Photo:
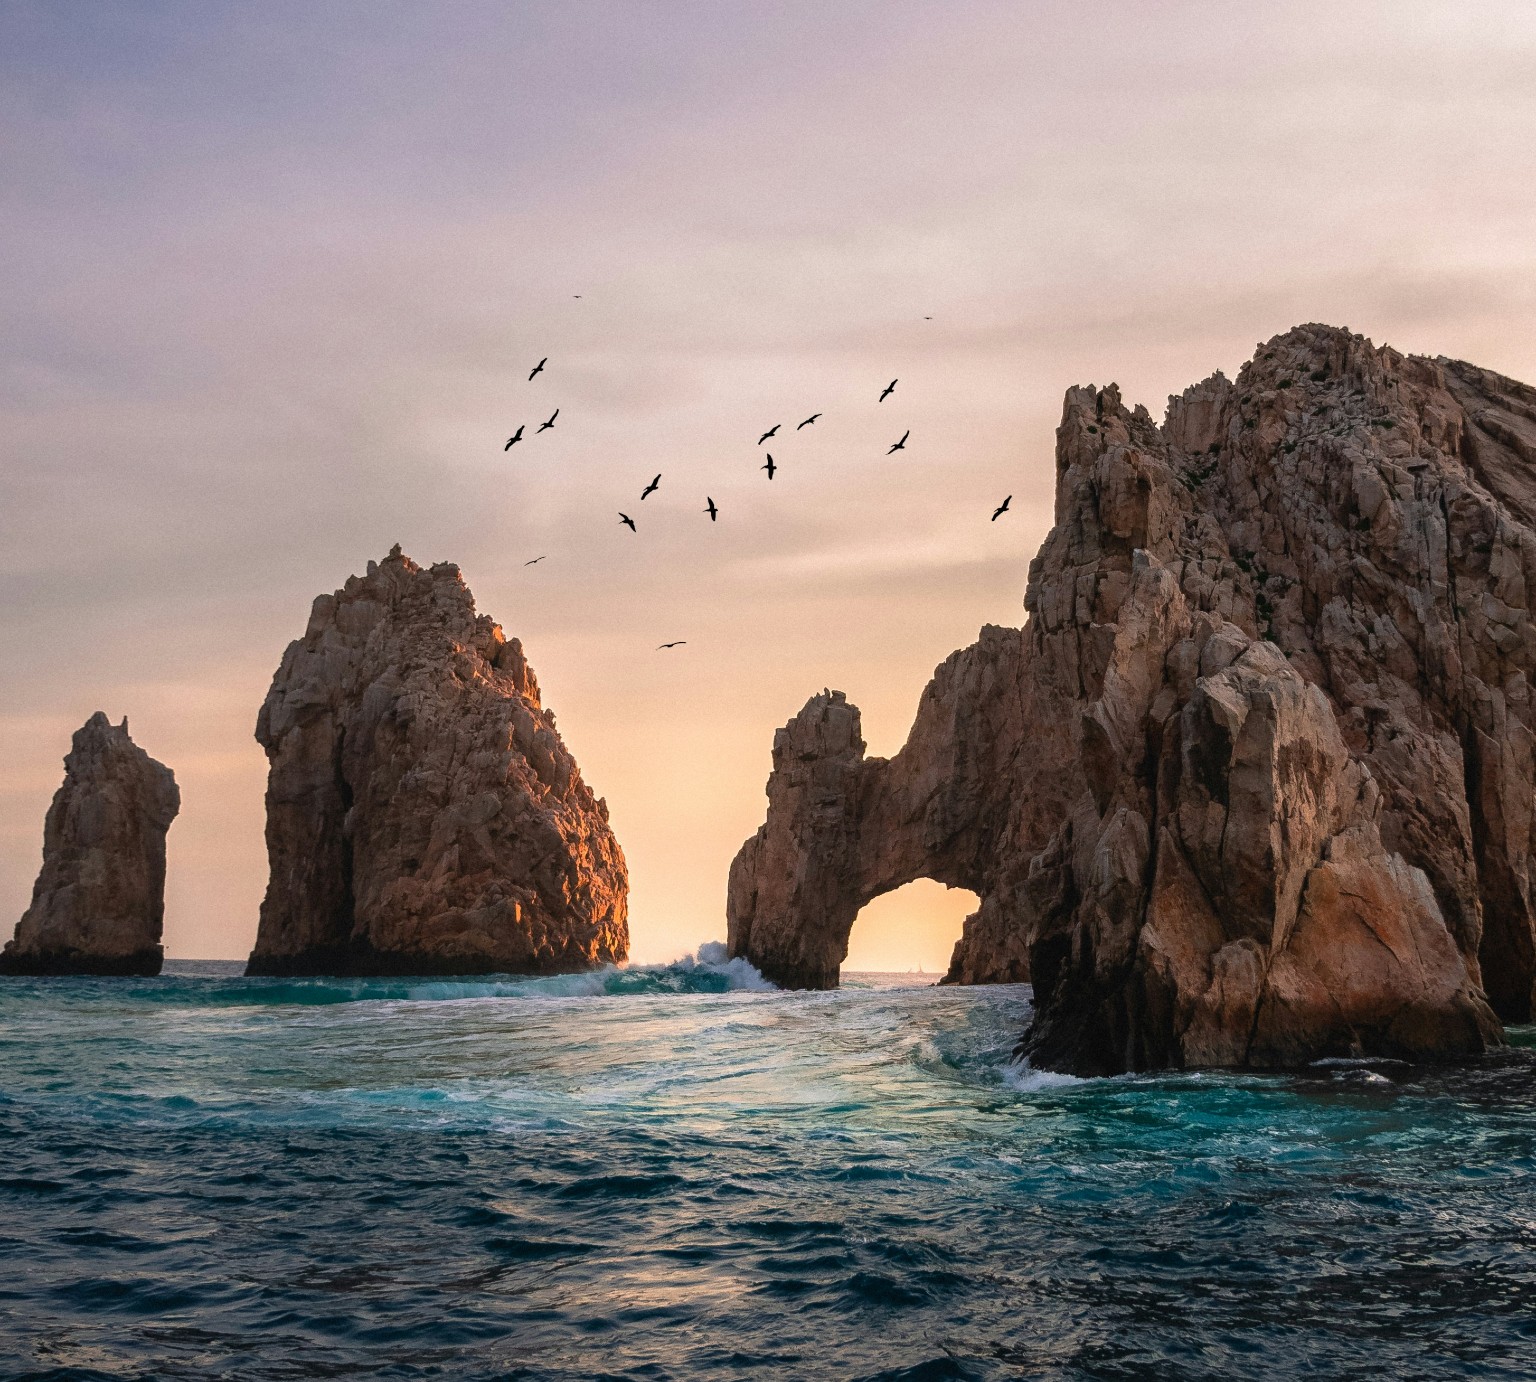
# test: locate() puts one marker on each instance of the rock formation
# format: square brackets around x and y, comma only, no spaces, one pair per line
[99,902]
[1254,784]
[423,815]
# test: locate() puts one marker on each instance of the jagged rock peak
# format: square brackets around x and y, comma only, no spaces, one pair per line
[1253,785]
[99,901]
[423,814]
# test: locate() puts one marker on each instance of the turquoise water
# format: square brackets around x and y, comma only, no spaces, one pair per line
[672,1173]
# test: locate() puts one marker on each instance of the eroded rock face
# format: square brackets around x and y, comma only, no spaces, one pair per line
[99,902]
[1261,786]
[423,815]
[843,828]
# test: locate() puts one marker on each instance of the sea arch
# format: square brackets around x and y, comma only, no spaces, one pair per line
[843,829]
[912,927]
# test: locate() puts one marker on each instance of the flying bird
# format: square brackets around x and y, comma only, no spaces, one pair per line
[538,368]
[902,444]
[889,390]
[710,508]
[807,422]
[650,488]
[770,467]
[545,426]
[625,518]
[927,319]
[1001,509]
[768,434]
[678,644]
[513,440]
[535,561]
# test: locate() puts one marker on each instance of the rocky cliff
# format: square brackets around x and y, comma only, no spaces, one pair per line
[99,902]
[423,815]
[1254,784]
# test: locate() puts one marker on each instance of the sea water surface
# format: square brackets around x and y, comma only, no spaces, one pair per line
[674,1172]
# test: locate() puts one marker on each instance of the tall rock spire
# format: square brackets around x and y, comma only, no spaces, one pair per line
[99,901]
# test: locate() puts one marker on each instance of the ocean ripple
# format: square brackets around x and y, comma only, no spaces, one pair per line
[678,1172]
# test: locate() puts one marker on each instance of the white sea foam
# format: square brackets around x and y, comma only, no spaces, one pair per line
[745,975]
[740,974]
[1023,1077]
[1355,1062]
[684,975]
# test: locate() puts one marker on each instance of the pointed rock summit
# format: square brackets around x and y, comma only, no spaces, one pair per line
[99,902]
[423,815]
[1254,784]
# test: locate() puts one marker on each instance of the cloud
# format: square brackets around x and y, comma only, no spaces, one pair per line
[283,270]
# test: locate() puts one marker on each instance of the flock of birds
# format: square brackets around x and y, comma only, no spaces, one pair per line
[710,507]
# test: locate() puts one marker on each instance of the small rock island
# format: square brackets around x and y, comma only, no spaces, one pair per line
[99,902]
[423,815]
[1256,782]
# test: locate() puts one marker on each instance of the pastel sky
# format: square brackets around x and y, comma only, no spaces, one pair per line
[275,274]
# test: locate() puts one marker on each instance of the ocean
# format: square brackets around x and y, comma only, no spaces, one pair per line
[677,1172]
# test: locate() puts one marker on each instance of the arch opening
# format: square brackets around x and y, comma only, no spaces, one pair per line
[910,929]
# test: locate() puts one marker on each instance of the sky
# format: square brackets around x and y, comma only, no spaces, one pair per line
[276,274]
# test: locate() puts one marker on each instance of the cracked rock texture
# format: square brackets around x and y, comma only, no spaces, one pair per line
[1254,784]
[99,902]
[423,815]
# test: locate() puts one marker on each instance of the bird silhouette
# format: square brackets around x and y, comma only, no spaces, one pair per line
[678,644]
[902,444]
[535,561]
[513,440]
[768,433]
[770,467]
[710,508]
[625,518]
[807,422]
[889,390]
[927,319]
[538,368]
[649,488]
[1001,509]
[545,426]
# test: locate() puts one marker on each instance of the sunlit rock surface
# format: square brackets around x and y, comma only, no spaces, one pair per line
[1254,785]
[843,828]
[99,902]
[423,815]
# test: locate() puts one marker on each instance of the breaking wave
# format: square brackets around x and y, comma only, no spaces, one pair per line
[219,983]
[1023,1078]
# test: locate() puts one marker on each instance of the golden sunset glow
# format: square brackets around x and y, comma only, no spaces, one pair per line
[213,415]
